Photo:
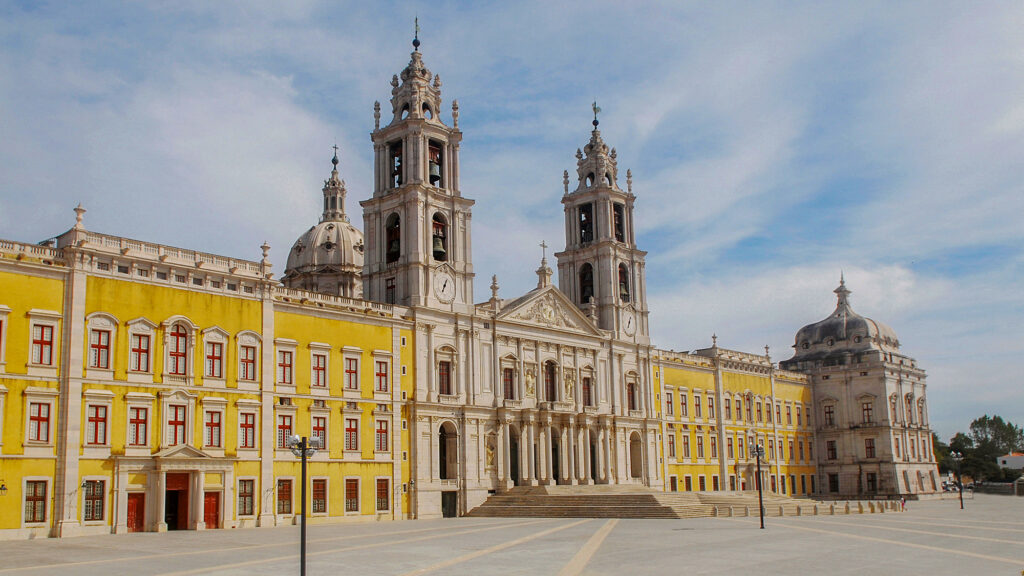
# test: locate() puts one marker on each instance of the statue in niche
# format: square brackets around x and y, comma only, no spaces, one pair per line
[531,382]
[489,445]
[570,381]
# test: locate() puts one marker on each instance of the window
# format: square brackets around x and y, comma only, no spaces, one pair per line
[700,446]
[683,408]
[759,418]
[913,448]
[586,214]
[750,417]
[782,452]
[393,235]
[800,449]
[551,387]
[830,449]
[896,445]
[247,430]
[671,445]
[586,283]
[768,412]
[351,434]
[319,496]
[893,407]
[792,453]
[778,414]
[39,422]
[381,443]
[351,495]
[175,424]
[138,422]
[631,395]
[867,410]
[789,415]
[247,363]
[701,483]
[383,495]
[670,408]
[320,431]
[440,238]
[444,378]
[920,412]
[771,448]
[352,373]
[285,365]
[742,451]
[381,377]
[728,409]
[508,376]
[92,507]
[139,361]
[799,417]
[214,360]
[624,284]
[99,349]
[96,425]
[319,370]
[284,430]
[810,451]
[246,497]
[869,447]
[833,482]
[35,501]
[177,352]
[711,407]
[696,406]
[618,221]
[42,344]
[389,290]
[714,447]
[212,429]
[829,415]
[686,446]
[728,448]
[871,481]
[739,410]
[284,496]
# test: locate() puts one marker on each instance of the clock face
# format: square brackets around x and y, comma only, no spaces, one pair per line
[444,286]
[628,320]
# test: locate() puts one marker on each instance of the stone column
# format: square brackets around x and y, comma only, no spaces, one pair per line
[530,426]
[563,456]
[543,449]
[601,460]
[572,443]
[198,519]
[435,460]
[506,453]
[161,499]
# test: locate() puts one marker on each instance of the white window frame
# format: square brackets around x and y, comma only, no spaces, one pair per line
[321,412]
[138,400]
[248,338]
[4,328]
[245,406]
[327,496]
[48,501]
[359,496]
[391,494]
[44,318]
[294,485]
[100,321]
[284,345]
[324,350]
[177,397]
[106,501]
[255,496]
[191,329]
[96,397]
[280,410]
[216,335]
[38,395]
[385,356]
[352,353]
[357,414]
[218,405]
[141,327]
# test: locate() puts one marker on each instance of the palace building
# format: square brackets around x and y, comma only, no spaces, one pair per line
[145,387]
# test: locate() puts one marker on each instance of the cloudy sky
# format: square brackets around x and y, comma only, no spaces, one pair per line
[772,146]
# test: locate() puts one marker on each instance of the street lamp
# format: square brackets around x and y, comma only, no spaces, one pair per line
[958,457]
[303,448]
[758,450]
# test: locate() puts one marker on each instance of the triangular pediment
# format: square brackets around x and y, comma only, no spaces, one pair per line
[549,308]
[181,452]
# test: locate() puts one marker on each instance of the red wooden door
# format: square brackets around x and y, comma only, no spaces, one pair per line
[136,512]
[211,510]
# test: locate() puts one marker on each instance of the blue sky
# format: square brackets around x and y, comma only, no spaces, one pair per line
[772,145]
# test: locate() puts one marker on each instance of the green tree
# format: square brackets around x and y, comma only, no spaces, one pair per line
[989,438]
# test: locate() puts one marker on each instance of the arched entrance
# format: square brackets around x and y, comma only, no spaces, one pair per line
[636,457]
[447,452]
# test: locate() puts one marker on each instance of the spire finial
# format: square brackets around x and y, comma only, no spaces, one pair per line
[335,159]
[842,293]
[494,287]
[416,38]
[543,251]
[79,212]
[597,110]
[714,340]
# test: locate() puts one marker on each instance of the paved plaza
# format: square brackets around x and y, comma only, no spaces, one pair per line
[931,538]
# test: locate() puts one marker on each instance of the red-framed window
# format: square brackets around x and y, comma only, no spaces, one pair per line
[285,365]
[800,449]
[696,406]
[319,370]
[741,445]
[140,353]
[867,412]
[631,398]
[684,408]
[352,373]
[35,501]
[96,425]
[686,445]
[214,360]
[178,354]
[211,425]
[284,496]
[284,430]
[714,447]
[750,416]
[42,344]
[381,377]
[869,447]
[711,407]
[381,437]
[247,430]
[246,497]
[550,385]
[792,453]
[739,410]
[799,417]
[728,409]
[319,495]
[92,510]
[383,494]
[700,446]
[444,377]
[99,349]
[176,424]
[672,445]
[789,415]
[351,495]
[509,382]
[39,422]
[351,434]
[138,422]
[670,405]
[760,414]
[588,391]
[320,430]
[728,448]
[247,363]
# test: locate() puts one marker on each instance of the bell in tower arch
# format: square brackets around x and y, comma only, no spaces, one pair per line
[434,164]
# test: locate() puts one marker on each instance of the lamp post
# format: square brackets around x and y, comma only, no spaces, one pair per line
[958,457]
[758,450]
[303,448]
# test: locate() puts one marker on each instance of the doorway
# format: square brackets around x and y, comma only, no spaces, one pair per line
[513,462]
[176,501]
[136,511]
[211,510]
[556,460]
[449,504]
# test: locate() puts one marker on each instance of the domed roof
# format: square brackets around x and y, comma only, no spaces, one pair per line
[843,331]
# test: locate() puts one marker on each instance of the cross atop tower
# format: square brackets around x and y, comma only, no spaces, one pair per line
[543,250]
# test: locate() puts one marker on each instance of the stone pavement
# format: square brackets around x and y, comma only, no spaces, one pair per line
[931,538]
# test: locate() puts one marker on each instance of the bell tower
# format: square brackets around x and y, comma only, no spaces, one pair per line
[601,262]
[417,224]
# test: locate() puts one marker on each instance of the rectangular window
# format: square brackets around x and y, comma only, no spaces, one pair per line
[739,410]
[284,496]
[700,446]
[829,415]
[830,449]
[99,349]
[389,288]
[810,449]
[799,417]
[351,495]
[320,431]
[771,448]
[444,378]
[319,495]
[671,445]
[381,377]
[96,425]
[750,417]
[833,482]
[869,447]
[140,353]
[246,430]
[782,452]
[177,353]
[588,391]
[508,377]
[586,223]
[247,363]
[351,434]
[214,360]
[35,501]
[728,448]
[768,412]
[42,344]
[246,497]
[383,495]
[701,483]
[867,410]
[792,453]
[39,422]
[711,407]
[800,449]
[897,448]
[789,415]
[319,370]
[618,221]
[381,444]
[778,411]
[686,446]
[284,430]
[138,422]
[92,507]
[670,408]
[175,425]
[683,409]
[714,447]
[728,409]
[696,406]
[759,418]
[351,373]
[285,364]
[212,427]
[688,483]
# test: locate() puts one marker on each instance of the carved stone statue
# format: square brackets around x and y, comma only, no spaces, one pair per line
[570,381]
[531,382]
[490,450]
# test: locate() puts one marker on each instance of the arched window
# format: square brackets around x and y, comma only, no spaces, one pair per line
[550,385]
[405,112]
[177,351]
[608,178]
[434,163]
[619,221]
[586,223]
[590,179]
[393,238]
[632,398]
[586,283]
[910,408]
[920,412]
[395,152]
[623,283]
[440,247]
[427,112]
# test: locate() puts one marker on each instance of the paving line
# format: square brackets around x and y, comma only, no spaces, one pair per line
[945,525]
[928,532]
[1015,561]
[442,534]
[582,558]
[486,551]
